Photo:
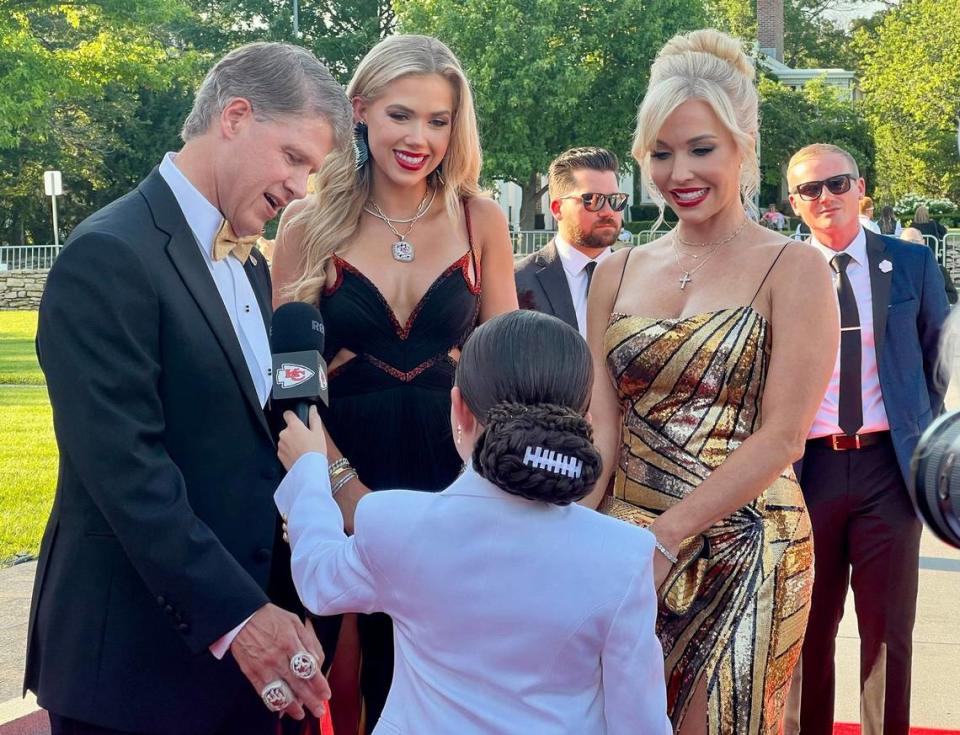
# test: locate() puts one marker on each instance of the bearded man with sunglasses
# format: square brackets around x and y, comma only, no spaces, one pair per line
[587,205]
[883,394]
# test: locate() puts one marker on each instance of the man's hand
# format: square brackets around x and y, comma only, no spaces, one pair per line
[263,649]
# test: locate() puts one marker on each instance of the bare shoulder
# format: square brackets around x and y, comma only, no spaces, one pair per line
[801,259]
[489,225]
[291,226]
[486,215]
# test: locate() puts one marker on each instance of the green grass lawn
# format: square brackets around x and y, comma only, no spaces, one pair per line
[28,469]
[18,358]
[28,452]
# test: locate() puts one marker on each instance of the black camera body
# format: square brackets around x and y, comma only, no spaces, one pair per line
[935,470]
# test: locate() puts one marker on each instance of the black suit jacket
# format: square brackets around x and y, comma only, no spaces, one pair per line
[162,533]
[542,284]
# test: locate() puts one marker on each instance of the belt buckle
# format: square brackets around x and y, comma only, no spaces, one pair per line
[834,439]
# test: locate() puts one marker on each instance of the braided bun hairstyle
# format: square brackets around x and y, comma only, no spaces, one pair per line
[710,66]
[527,377]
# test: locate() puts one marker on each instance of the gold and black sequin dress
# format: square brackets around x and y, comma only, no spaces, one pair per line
[735,607]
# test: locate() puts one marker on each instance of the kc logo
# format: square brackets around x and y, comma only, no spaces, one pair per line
[291,374]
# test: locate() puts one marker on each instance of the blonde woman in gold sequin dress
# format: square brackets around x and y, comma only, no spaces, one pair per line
[719,340]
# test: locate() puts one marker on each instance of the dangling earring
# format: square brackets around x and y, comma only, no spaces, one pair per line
[438,173]
[459,434]
[361,146]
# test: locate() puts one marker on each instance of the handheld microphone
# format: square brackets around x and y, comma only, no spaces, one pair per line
[299,370]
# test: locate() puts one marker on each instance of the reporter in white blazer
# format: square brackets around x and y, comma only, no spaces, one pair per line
[515,609]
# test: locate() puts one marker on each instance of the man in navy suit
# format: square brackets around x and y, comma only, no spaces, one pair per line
[883,394]
[587,205]
[158,600]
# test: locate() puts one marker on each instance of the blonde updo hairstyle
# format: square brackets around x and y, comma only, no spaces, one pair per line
[332,212]
[711,66]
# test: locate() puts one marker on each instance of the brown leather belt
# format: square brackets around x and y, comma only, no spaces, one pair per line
[842,442]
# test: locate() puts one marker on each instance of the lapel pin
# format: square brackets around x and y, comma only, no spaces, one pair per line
[885,266]
[254,261]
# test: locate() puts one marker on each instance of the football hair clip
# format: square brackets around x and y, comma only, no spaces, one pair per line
[551,461]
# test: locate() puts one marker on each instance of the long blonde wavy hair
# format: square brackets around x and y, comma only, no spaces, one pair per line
[332,213]
[711,66]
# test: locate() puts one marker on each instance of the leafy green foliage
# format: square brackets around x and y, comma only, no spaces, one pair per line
[550,74]
[818,113]
[911,82]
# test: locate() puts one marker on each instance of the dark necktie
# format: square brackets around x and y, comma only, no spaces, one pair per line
[590,268]
[851,396]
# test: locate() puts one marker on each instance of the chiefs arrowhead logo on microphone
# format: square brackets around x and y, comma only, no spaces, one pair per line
[291,374]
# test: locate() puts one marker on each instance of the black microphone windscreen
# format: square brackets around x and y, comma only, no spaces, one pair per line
[296,327]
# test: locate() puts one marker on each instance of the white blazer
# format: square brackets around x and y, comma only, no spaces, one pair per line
[510,615]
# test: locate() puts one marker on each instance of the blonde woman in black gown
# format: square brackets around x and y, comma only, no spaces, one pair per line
[719,340]
[404,256]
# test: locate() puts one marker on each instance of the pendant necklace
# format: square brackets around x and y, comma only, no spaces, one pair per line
[403,250]
[687,275]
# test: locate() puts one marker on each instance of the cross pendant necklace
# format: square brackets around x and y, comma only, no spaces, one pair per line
[684,280]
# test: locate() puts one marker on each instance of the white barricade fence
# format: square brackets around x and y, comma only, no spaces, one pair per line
[950,254]
[27,257]
[529,241]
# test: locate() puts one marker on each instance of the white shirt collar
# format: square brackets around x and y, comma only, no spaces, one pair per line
[573,260]
[204,219]
[857,249]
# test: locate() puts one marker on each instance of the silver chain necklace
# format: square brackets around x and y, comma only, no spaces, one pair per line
[403,250]
[687,275]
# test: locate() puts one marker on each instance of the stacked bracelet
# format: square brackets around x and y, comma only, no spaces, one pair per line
[337,466]
[663,550]
[341,472]
[342,480]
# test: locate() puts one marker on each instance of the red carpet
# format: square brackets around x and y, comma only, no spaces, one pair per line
[842,728]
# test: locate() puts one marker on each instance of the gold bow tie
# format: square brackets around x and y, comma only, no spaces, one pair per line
[227,242]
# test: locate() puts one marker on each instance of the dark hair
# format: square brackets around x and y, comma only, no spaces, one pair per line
[887,221]
[527,377]
[560,173]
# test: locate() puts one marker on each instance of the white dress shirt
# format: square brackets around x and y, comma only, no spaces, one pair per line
[869,224]
[874,414]
[574,268]
[228,274]
[238,298]
[509,615]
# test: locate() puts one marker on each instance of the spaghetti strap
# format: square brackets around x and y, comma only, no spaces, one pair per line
[769,270]
[622,273]
[473,254]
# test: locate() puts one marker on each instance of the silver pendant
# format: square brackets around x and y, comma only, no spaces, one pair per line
[684,280]
[403,251]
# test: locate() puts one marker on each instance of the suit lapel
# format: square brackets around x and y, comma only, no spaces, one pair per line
[260,288]
[553,281]
[185,254]
[879,288]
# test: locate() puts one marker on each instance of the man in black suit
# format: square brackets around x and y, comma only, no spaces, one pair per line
[587,206]
[883,394]
[153,608]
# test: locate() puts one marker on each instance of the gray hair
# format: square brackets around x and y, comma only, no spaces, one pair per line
[277,79]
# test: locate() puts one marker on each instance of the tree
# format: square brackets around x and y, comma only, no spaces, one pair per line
[339,32]
[811,38]
[911,85]
[70,86]
[550,74]
[817,113]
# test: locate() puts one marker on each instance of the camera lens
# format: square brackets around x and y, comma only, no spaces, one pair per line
[936,478]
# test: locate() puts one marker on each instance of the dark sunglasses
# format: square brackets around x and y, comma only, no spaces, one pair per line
[593,202]
[811,190]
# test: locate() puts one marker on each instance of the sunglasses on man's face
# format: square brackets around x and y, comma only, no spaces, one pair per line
[811,190]
[593,202]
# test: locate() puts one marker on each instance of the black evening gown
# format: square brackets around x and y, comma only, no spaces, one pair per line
[389,411]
